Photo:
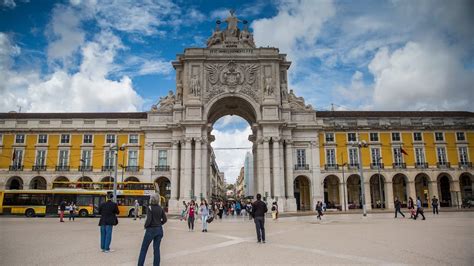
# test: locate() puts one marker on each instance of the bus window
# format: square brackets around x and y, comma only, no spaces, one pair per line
[37,199]
[9,199]
[84,200]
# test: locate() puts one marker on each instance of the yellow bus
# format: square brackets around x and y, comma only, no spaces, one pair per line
[46,202]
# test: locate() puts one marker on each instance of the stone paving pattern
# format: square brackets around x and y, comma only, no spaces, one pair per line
[337,239]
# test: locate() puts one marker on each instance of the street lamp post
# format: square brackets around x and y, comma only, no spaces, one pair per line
[380,183]
[123,160]
[115,148]
[344,186]
[360,145]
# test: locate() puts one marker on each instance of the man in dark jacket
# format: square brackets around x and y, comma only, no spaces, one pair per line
[259,208]
[398,206]
[108,218]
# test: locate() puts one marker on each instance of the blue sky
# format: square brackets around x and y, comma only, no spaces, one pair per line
[116,55]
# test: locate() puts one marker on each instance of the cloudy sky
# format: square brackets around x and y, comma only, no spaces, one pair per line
[115,55]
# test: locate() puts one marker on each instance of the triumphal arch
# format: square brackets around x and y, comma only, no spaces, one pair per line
[231,76]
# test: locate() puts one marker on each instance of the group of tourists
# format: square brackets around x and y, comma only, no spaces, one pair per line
[70,207]
[417,209]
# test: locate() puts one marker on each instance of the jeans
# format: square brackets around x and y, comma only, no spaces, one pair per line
[154,234]
[419,211]
[204,222]
[191,223]
[435,209]
[71,216]
[397,210]
[61,216]
[260,227]
[105,236]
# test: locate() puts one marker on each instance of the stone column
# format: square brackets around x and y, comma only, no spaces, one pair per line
[266,168]
[205,170]
[290,201]
[411,191]
[389,195]
[182,183]
[316,174]
[186,179]
[148,163]
[455,194]
[368,197]
[433,189]
[174,170]
[258,168]
[341,196]
[278,182]
[198,169]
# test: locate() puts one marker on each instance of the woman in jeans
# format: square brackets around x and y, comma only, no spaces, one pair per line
[204,210]
[190,213]
[155,218]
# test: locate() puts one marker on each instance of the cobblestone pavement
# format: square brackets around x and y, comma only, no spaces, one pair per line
[337,239]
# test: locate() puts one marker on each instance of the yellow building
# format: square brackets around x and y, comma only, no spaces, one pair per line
[407,154]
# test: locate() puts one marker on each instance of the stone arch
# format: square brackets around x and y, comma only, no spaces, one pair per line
[84,179]
[301,188]
[38,182]
[231,104]
[331,192]
[400,188]
[354,192]
[132,179]
[14,182]
[377,191]
[422,181]
[445,187]
[107,179]
[465,185]
[164,185]
[61,179]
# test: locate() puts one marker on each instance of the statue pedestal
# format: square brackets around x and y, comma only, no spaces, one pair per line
[291,205]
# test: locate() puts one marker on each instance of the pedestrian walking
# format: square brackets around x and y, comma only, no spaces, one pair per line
[411,208]
[191,212]
[259,208]
[108,219]
[155,219]
[434,203]
[419,209]
[204,210]
[136,210]
[274,210]
[221,210]
[398,206]
[72,211]
[319,210]
[183,212]
[62,209]
[249,209]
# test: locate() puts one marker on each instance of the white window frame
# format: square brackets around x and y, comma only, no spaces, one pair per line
[301,157]
[159,157]
[129,157]
[374,162]
[23,139]
[397,155]
[377,134]
[333,137]
[84,138]
[130,138]
[39,137]
[350,141]
[438,148]
[421,134]
[86,163]
[68,139]
[60,162]
[442,134]
[463,133]
[422,154]
[334,163]
[107,139]
[44,159]
[18,159]
[399,136]
[355,154]
[459,154]
[105,158]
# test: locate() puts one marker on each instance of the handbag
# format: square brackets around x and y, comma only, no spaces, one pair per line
[210,219]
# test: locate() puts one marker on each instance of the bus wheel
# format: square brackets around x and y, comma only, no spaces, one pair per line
[83,213]
[30,213]
[131,213]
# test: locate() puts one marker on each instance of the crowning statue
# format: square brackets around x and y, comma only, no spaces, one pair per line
[232,36]
[165,103]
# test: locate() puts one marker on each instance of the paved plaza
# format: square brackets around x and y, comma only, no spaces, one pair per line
[337,239]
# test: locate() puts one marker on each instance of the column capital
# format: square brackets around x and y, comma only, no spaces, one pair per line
[276,139]
[175,142]
[266,139]
[288,141]
[187,139]
[198,140]
[313,143]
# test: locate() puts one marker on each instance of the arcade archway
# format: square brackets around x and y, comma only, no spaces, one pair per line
[14,182]
[422,189]
[38,183]
[377,191]
[465,184]
[164,186]
[354,192]
[444,189]
[399,184]
[302,193]
[331,192]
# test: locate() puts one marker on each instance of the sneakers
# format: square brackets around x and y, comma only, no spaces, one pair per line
[109,251]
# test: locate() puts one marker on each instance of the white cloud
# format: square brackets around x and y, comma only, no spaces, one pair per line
[87,90]
[356,92]
[8,3]
[295,28]
[421,76]
[231,160]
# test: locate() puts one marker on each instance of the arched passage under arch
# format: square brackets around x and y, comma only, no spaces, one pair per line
[38,182]
[354,192]
[444,190]
[14,183]
[301,188]
[164,185]
[399,184]
[422,188]
[331,192]
[377,191]
[108,182]
[465,185]
[132,179]
[61,182]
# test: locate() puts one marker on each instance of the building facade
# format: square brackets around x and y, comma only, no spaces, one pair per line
[300,156]
[248,175]
[240,184]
